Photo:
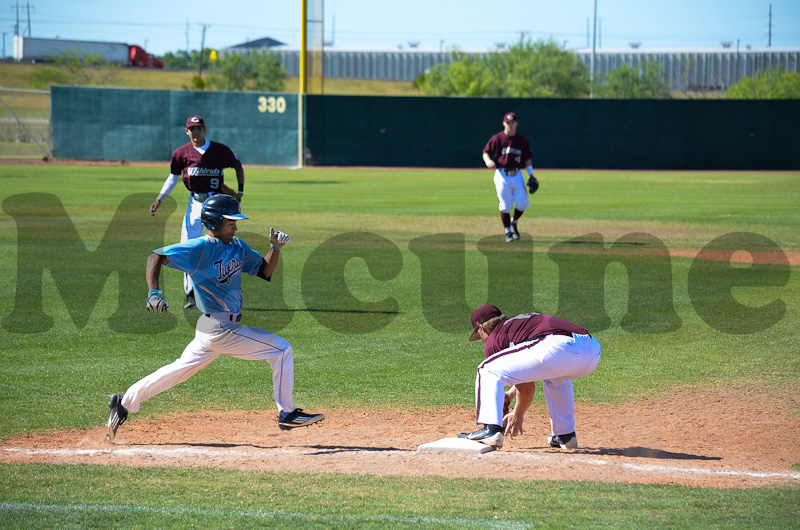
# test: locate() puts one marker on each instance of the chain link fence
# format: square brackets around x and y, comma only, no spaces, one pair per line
[25,126]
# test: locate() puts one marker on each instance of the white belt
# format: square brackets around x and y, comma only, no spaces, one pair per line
[201,197]
[224,316]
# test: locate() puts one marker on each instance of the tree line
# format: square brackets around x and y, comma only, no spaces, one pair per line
[540,69]
[543,69]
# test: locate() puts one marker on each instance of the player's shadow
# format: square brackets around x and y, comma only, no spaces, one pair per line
[204,444]
[306,182]
[644,452]
[332,449]
[313,310]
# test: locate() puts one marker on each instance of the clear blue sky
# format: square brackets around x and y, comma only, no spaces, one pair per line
[170,25]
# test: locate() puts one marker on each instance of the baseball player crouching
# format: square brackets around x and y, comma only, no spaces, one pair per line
[519,351]
[215,263]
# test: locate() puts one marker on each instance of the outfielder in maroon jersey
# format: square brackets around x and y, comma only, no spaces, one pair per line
[203,173]
[508,152]
[519,351]
[200,163]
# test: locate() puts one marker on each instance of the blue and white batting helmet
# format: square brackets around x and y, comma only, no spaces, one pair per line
[219,207]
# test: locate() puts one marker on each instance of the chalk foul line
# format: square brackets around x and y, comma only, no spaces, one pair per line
[259,454]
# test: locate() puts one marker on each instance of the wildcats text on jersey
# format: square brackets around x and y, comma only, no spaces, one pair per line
[203,172]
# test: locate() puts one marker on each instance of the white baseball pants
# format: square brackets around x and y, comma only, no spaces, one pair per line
[554,360]
[192,228]
[213,338]
[511,191]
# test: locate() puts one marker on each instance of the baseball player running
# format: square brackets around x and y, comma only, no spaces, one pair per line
[519,351]
[201,163]
[215,263]
[507,152]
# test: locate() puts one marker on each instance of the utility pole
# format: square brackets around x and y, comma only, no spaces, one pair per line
[769,42]
[28,5]
[588,33]
[16,26]
[202,45]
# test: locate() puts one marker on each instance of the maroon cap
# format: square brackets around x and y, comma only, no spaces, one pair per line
[510,117]
[482,315]
[194,121]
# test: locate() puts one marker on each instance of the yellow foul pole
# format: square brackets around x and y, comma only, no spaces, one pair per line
[302,90]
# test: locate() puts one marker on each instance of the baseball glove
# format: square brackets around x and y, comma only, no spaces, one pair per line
[506,410]
[533,184]
[227,190]
[155,303]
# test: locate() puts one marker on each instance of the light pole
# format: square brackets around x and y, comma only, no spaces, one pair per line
[736,75]
[594,51]
[301,151]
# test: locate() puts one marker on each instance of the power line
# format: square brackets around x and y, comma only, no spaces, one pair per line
[67,21]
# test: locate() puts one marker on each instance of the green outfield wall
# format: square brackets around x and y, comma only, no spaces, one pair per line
[564,133]
[147,125]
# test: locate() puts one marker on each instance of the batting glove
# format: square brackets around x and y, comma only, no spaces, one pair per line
[277,238]
[155,303]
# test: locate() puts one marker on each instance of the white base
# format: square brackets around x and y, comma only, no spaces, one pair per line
[455,445]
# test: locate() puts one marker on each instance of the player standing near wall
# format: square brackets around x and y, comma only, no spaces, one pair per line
[508,152]
[216,262]
[201,163]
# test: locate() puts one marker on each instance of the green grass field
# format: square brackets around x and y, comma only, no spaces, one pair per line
[400,343]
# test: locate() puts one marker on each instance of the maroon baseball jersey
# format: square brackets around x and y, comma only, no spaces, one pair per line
[203,173]
[509,151]
[524,327]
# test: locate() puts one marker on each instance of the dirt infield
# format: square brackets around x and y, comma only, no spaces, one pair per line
[725,439]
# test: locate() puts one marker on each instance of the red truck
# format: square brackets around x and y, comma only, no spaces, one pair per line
[35,50]
[142,59]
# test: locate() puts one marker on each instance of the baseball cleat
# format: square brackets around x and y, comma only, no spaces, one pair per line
[509,237]
[491,435]
[190,303]
[564,441]
[116,417]
[298,418]
[514,231]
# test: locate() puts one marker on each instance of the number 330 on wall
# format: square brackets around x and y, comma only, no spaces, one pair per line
[272,104]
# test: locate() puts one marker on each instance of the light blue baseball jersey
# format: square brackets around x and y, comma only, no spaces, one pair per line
[216,270]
